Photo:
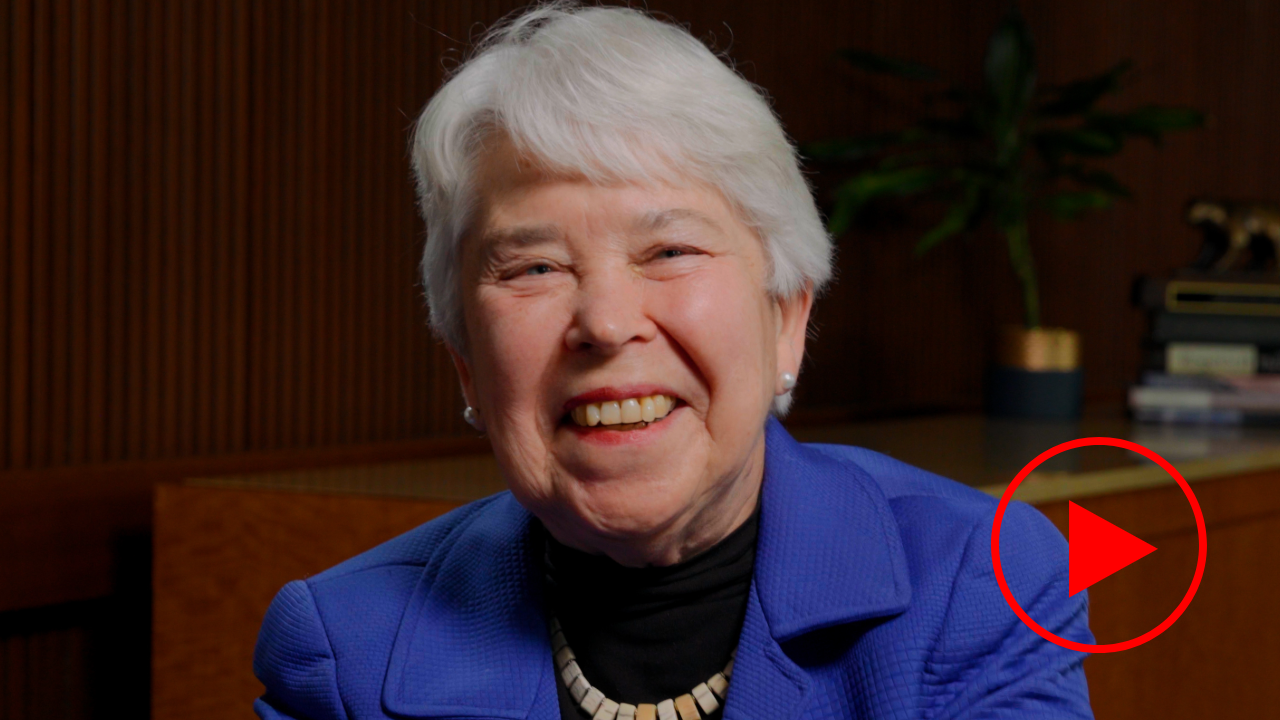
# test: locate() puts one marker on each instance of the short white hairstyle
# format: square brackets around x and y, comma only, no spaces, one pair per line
[614,95]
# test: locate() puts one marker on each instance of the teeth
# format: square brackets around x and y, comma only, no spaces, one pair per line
[630,410]
[610,413]
[619,412]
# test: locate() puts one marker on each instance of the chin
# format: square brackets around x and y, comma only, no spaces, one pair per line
[632,508]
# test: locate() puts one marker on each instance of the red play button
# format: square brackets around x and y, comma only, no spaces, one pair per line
[1098,548]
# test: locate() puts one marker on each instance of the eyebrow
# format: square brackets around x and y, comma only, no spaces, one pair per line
[498,239]
[657,220]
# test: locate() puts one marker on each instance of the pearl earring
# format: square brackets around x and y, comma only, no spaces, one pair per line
[472,417]
[788,381]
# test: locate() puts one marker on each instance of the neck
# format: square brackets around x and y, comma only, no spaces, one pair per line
[685,536]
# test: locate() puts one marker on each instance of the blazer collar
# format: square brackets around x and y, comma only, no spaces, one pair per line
[828,553]
[829,550]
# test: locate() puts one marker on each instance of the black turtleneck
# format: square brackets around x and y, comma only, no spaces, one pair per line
[643,635]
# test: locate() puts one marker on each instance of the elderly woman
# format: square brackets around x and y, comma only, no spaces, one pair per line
[622,254]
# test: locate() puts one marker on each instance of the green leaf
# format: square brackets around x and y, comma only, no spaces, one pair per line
[884,65]
[1165,119]
[1010,67]
[1054,144]
[864,187]
[960,216]
[1071,205]
[1151,121]
[1079,96]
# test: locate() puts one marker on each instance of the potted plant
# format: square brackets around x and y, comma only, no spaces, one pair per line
[995,154]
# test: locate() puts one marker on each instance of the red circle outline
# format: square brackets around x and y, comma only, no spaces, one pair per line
[1071,644]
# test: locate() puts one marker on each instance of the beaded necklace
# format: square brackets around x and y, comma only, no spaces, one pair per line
[707,695]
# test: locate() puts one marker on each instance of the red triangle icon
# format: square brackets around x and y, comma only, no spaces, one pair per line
[1098,549]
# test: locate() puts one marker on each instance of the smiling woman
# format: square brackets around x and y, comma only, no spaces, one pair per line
[622,256]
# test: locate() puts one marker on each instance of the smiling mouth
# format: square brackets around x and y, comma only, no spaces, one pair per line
[629,414]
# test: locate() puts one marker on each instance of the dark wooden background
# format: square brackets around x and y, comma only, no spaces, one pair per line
[208,242]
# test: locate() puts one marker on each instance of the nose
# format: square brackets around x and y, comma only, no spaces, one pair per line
[609,313]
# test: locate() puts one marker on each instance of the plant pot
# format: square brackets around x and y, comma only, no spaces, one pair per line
[1037,375]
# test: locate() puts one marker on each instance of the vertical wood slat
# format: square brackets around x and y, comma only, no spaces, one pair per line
[39,326]
[6,179]
[19,235]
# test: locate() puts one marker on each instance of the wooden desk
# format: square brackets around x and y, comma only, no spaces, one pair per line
[224,546]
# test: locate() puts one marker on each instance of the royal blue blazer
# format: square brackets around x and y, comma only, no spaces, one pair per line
[872,597]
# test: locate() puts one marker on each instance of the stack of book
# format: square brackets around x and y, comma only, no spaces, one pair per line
[1212,355]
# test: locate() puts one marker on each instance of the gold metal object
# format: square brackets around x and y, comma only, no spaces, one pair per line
[1041,348]
[1222,297]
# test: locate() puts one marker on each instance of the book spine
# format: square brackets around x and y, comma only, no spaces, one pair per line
[1210,359]
[1167,327]
[1183,416]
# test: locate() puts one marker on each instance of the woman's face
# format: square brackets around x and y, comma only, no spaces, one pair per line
[591,307]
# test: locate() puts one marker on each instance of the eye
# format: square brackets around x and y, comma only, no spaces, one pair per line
[539,269]
[674,251]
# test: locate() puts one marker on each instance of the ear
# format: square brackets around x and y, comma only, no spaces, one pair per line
[464,375]
[793,322]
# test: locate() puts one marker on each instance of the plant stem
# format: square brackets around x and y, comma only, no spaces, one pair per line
[1025,268]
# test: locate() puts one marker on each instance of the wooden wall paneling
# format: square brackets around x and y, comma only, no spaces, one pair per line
[6,179]
[19,235]
[94,30]
[293,13]
[39,326]
[59,256]
[42,673]
[258,293]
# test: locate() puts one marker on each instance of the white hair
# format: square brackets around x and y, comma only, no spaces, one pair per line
[614,95]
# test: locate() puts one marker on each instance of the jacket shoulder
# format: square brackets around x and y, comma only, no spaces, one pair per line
[350,610]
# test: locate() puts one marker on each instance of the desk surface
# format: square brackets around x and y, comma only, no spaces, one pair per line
[980,452]
[987,453]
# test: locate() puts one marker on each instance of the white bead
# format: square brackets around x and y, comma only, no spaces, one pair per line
[788,381]
[667,710]
[728,670]
[626,711]
[592,700]
[554,626]
[718,685]
[558,642]
[579,688]
[565,656]
[705,699]
[570,673]
[608,710]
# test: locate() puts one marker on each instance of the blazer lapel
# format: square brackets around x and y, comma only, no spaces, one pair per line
[473,641]
[829,553]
